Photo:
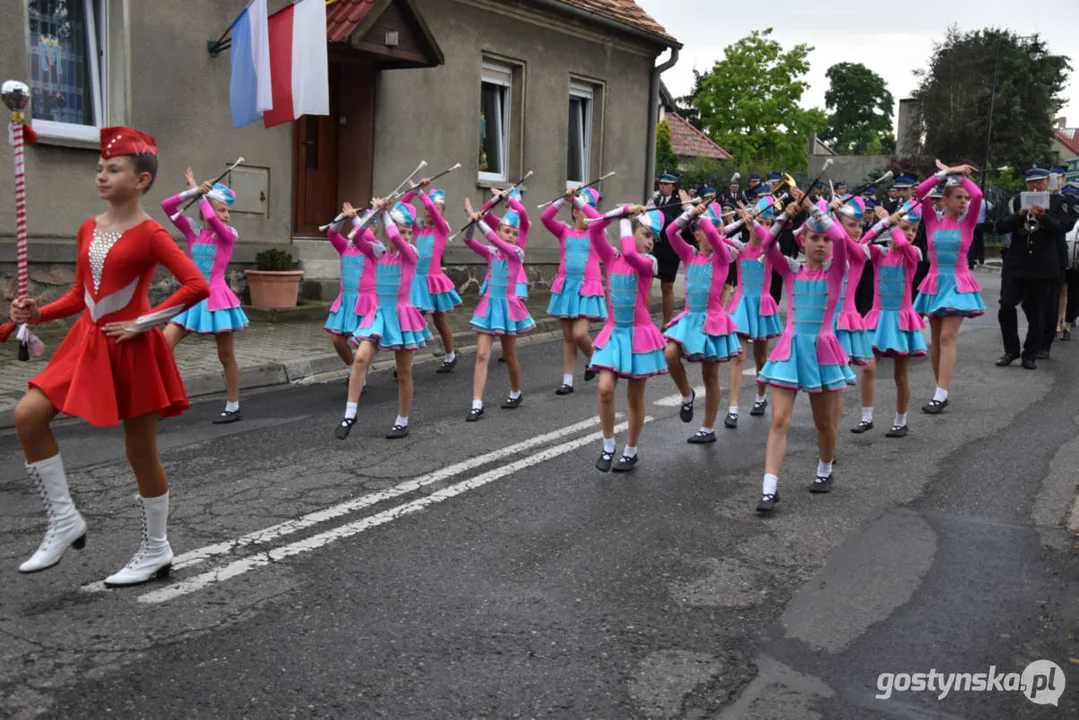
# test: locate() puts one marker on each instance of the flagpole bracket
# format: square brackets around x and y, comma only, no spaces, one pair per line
[215,47]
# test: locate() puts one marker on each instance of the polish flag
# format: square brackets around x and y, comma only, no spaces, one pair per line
[299,66]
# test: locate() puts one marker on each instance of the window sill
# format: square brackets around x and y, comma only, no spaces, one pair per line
[488,184]
[49,134]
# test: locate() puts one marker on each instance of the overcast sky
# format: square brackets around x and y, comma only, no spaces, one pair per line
[892,45]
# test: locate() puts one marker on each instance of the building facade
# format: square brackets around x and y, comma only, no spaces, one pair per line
[563,88]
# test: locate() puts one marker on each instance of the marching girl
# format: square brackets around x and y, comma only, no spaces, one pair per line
[895,328]
[500,312]
[703,332]
[432,290]
[949,292]
[358,297]
[630,345]
[808,356]
[395,324]
[849,324]
[521,284]
[220,315]
[114,365]
[577,297]
[752,308]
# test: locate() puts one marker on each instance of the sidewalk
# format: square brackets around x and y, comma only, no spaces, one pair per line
[267,353]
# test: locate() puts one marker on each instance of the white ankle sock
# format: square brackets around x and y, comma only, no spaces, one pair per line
[824,469]
[771,484]
[477,404]
[450,357]
[867,414]
[608,445]
[705,429]
[232,406]
[629,451]
[901,419]
[402,421]
[940,395]
[733,409]
[514,394]
[687,399]
[350,410]
[567,379]
[759,399]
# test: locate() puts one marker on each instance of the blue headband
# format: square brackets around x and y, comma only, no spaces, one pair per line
[403,214]
[222,193]
[511,218]
[438,196]
[765,208]
[651,220]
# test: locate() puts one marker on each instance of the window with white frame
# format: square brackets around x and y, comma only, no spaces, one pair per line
[579,145]
[68,67]
[496,95]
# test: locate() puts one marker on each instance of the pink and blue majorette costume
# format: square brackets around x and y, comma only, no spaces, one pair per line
[500,311]
[629,345]
[432,290]
[358,297]
[521,284]
[950,287]
[849,324]
[395,324]
[752,307]
[210,247]
[808,355]
[895,328]
[578,288]
[703,331]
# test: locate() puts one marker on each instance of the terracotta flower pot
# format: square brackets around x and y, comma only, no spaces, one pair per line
[274,289]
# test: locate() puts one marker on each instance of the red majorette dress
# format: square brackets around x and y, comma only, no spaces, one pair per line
[93,377]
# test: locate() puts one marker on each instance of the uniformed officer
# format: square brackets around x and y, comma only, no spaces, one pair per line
[668,202]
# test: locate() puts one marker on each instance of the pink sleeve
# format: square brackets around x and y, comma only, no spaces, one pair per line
[442,229]
[875,253]
[365,241]
[554,226]
[777,259]
[720,253]
[224,233]
[597,233]
[641,263]
[407,252]
[407,197]
[506,248]
[839,249]
[974,207]
[522,236]
[927,202]
[170,206]
[674,236]
[339,241]
[911,254]
[477,247]
[768,236]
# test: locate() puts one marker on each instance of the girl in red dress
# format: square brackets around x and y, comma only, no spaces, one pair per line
[114,365]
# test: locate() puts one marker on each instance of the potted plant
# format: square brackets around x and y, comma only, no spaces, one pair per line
[273,282]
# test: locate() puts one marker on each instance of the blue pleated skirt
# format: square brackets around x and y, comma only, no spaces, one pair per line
[699,346]
[617,356]
[570,304]
[419,296]
[802,371]
[947,300]
[385,329]
[445,301]
[747,317]
[199,319]
[344,320]
[857,345]
[497,321]
[890,340]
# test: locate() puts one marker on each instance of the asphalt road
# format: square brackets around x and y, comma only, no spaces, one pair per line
[488,570]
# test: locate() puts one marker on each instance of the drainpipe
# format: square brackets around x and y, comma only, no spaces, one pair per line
[653,108]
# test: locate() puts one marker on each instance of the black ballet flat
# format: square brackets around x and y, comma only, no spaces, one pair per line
[702,438]
[512,403]
[564,390]
[759,408]
[768,502]
[397,432]
[686,413]
[344,428]
[474,414]
[897,431]
[605,461]
[821,484]
[731,421]
[862,427]
[590,373]
[228,417]
[625,464]
[935,407]
[447,366]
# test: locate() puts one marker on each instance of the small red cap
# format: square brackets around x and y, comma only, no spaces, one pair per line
[116,141]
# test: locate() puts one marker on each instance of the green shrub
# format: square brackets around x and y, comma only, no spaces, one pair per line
[273,260]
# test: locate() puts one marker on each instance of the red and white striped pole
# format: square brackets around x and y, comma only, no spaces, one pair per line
[16,96]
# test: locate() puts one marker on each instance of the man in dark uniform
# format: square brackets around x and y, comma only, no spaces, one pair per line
[668,202]
[787,245]
[1056,288]
[734,194]
[754,183]
[1030,269]
[1071,274]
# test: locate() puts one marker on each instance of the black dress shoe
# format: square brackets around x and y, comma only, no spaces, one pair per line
[701,437]
[564,390]
[759,408]
[768,502]
[228,417]
[590,373]
[686,413]
[731,421]
[474,414]
[1006,359]
[935,407]
[605,461]
[1065,334]
[397,432]
[501,359]
[862,427]
[1029,364]
[1041,355]
[821,484]
[897,431]
[447,366]
[625,464]
[512,403]
[344,428]
[395,373]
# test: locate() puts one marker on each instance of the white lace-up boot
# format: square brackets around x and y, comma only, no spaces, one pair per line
[153,559]
[66,526]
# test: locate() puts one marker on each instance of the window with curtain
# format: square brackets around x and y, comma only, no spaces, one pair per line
[579,143]
[495,105]
[67,50]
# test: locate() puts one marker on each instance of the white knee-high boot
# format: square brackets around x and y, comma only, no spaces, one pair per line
[66,526]
[153,559]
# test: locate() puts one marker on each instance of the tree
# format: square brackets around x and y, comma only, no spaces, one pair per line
[861,119]
[685,103]
[955,95]
[749,102]
[665,157]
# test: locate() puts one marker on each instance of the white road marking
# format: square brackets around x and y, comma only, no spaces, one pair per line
[239,567]
[200,555]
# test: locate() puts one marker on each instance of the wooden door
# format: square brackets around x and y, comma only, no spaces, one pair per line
[314,166]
